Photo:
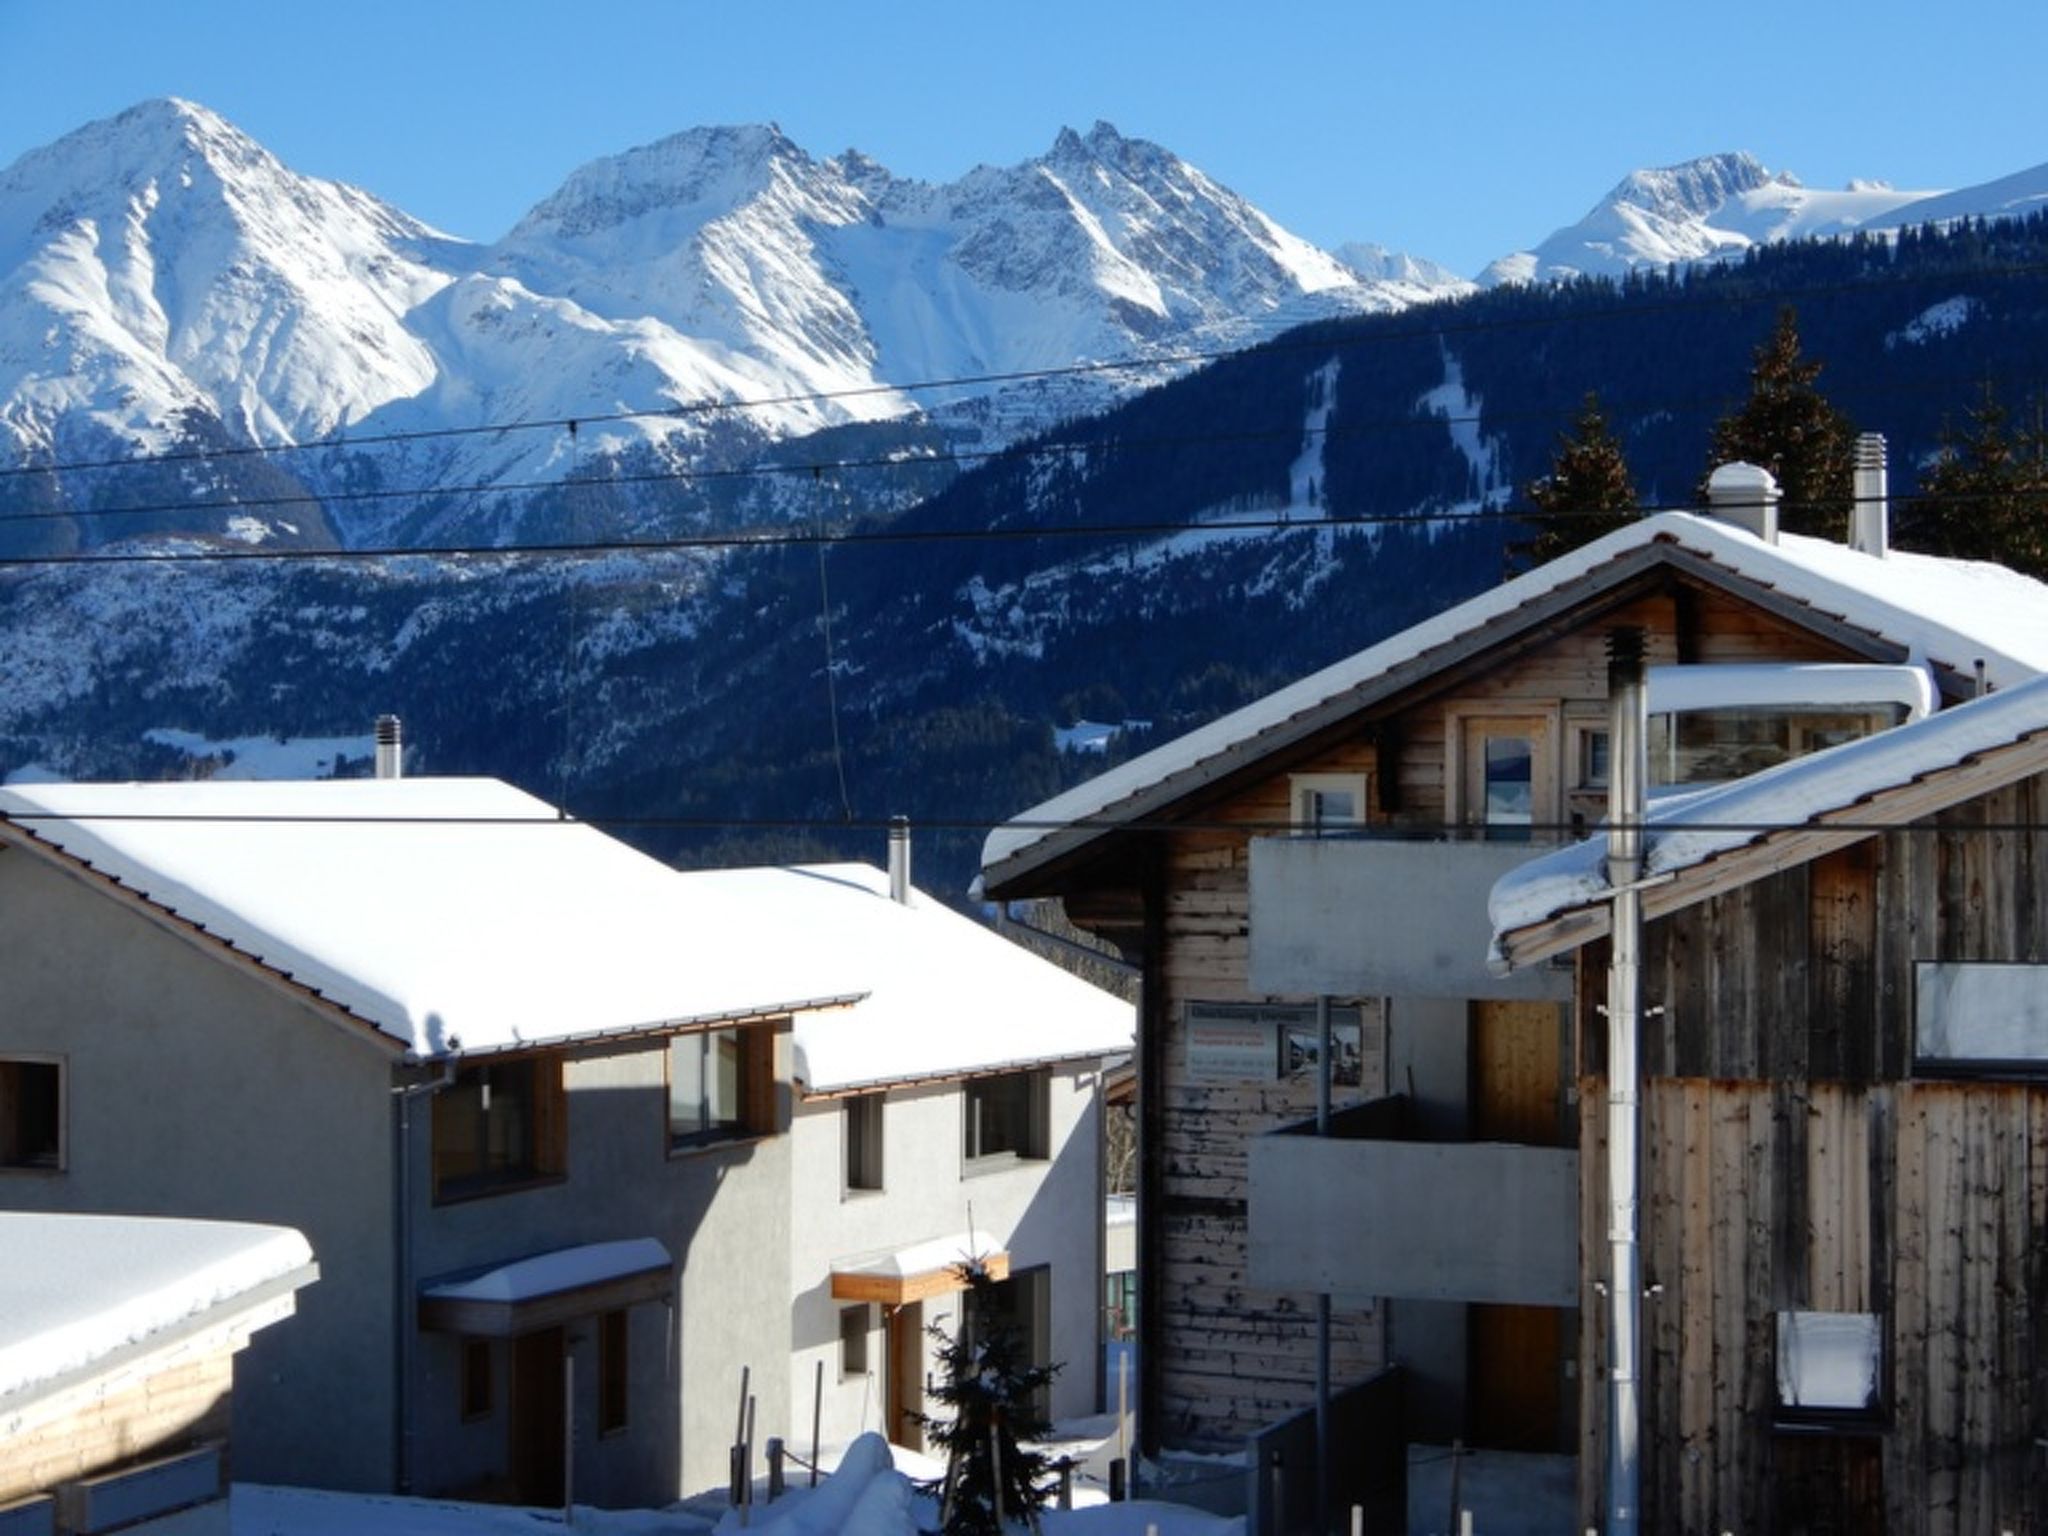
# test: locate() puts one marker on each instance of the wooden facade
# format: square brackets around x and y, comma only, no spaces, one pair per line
[1219,1358]
[1795,1158]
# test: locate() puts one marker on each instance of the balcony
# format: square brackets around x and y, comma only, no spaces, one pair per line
[1377,917]
[1368,1211]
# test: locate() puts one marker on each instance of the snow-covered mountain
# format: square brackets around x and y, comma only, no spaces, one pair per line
[163,278]
[1717,207]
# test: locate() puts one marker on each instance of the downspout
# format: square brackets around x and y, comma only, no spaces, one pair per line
[1322,1297]
[404,1307]
[1626,807]
[1008,923]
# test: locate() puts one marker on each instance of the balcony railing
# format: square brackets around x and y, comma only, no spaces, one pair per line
[1383,917]
[1365,1211]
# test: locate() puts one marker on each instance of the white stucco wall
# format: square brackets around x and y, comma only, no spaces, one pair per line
[1042,1213]
[192,1089]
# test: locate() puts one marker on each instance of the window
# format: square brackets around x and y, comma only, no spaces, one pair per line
[853,1342]
[1830,1366]
[31,1113]
[499,1126]
[612,1357]
[1120,1304]
[1005,1116]
[864,1141]
[478,1390]
[1253,1042]
[1328,802]
[721,1085]
[1507,775]
[1592,751]
[1713,746]
[1980,1017]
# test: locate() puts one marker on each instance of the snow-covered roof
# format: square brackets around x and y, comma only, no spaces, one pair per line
[1949,613]
[456,916]
[946,996]
[563,1269]
[79,1293]
[1686,830]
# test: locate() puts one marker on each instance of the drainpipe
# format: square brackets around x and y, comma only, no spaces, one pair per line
[1870,522]
[404,1305]
[899,859]
[390,747]
[1626,806]
[1322,1297]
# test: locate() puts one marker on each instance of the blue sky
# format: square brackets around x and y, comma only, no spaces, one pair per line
[1458,133]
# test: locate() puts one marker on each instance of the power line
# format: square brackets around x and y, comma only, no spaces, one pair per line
[683,410]
[782,536]
[892,463]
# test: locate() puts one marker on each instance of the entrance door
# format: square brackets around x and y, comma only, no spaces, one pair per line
[906,1375]
[1516,1387]
[534,1445]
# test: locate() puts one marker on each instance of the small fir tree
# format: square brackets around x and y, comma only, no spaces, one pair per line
[991,1388]
[1986,496]
[1789,428]
[1588,491]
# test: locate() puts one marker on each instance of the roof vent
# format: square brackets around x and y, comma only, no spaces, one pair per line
[1870,523]
[899,859]
[390,748]
[1747,496]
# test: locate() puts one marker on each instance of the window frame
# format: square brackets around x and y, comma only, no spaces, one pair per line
[863,1166]
[755,1088]
[1467,732]
[1303,792]
[849,1368]
[1037,1086]
[1811,1418]
[60,1110]
[546,1133]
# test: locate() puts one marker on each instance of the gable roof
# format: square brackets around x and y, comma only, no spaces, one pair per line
[1948,613]
[453,916]
[946,996]
[1712,839]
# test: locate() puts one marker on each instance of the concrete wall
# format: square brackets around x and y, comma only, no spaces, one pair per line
[1043,1213]
[1429,1221]
[192,1089]
[1322,923]
[721,1210]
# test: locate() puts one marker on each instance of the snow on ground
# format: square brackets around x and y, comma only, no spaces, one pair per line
[870,1492]
[268,757]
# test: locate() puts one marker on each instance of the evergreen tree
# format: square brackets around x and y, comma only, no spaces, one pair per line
[1588,491]
[991,1387]
[1789,428]
[1986,496]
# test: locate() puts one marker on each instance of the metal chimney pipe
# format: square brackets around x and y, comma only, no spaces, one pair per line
[390,748]
[1627,805]
[1747,496]
[899,859]
[1870,522]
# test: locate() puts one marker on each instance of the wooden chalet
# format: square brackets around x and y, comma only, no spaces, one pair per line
[1304,886]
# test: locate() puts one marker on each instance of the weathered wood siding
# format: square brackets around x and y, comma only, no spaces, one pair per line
[1232,1358]
[1792,1161]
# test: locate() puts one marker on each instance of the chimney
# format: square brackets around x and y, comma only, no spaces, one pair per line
[1870,521]
[899,859]
[1747,496]
[390,748]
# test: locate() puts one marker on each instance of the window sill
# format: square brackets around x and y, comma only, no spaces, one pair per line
[509,1186]
[31,1170]
[698,1146]
[850,1196]
[999,1162]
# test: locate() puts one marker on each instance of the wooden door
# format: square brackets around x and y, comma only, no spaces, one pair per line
[1518,1074]
[906,1375]
[534,1437]
[1515,1355]
[1507,775]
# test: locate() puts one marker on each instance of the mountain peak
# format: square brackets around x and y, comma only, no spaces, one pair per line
[1695,187]
[715,164]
